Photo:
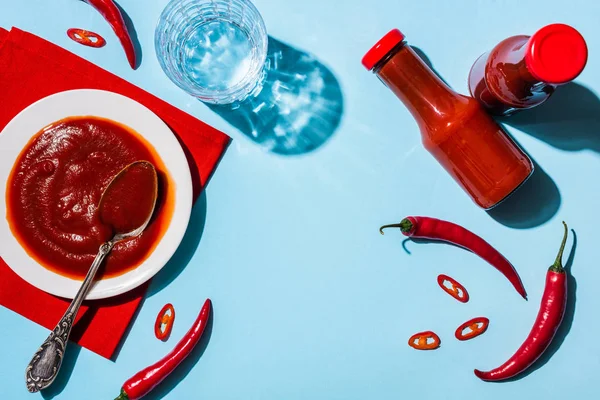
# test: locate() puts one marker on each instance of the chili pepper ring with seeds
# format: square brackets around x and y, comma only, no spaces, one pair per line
[86,38]
[456,290]
[421,341]
[164,322]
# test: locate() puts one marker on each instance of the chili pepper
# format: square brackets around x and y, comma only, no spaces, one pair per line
[436,229]
[113,16]
[550,315]
[86,38]
[477,326]
[164,322]
[456,290]
[147,379]
[420,341]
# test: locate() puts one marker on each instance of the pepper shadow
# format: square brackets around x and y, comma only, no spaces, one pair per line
[427,241]
[569,120]
[186,249]
[533,204]
[567,323]
[297,109]
[186,366]
[134,36]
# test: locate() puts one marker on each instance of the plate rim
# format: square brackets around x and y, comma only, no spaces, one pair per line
[182,181]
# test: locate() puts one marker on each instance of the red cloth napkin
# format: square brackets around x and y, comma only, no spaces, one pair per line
[32,68]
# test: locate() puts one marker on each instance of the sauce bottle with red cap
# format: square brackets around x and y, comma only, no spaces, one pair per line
[522,72]
[455,129]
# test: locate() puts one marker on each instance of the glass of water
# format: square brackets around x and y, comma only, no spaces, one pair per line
[213,49]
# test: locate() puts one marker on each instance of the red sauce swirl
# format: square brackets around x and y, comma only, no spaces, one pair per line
[56,184]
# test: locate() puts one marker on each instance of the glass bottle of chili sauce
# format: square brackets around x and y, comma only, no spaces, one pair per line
[522,72]
[455,129]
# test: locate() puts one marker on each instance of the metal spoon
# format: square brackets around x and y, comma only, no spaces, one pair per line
[45,364]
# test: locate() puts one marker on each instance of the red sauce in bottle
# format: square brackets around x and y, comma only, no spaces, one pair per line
[455,129]
[55,187]
[522,72]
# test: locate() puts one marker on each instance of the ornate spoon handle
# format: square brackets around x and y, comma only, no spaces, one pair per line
[45,364]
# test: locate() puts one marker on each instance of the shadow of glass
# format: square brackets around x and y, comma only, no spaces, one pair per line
[298,108]
[532,204]
[186,249]
[134,36]
[180,373]
[567,323]
[568,120]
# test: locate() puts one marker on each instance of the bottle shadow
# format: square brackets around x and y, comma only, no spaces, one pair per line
[531,205]
[567,323]
[538,199]
[569,120]
[297,109]
[186,366]
[186,249]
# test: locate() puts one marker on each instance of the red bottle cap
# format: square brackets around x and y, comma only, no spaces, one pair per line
[381,48]
[556,54]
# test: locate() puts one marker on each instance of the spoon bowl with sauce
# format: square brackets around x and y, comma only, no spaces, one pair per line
[125,209]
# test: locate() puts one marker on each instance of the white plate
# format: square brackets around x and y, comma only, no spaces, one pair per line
[118,108]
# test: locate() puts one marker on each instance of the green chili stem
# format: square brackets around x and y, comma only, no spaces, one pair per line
[405,226]
[122,396]
[557,266]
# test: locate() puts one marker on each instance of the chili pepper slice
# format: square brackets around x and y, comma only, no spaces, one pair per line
[476,326]
[164,322]
[455,290]
[86,38]
[420,341]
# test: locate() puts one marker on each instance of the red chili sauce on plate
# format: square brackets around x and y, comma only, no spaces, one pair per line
[55,187]
[129,199]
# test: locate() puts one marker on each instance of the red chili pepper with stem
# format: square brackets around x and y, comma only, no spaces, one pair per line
[111,13]
[147,379]
[436,229]
[552,310]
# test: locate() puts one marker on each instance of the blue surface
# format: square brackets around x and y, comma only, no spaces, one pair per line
[310,301]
